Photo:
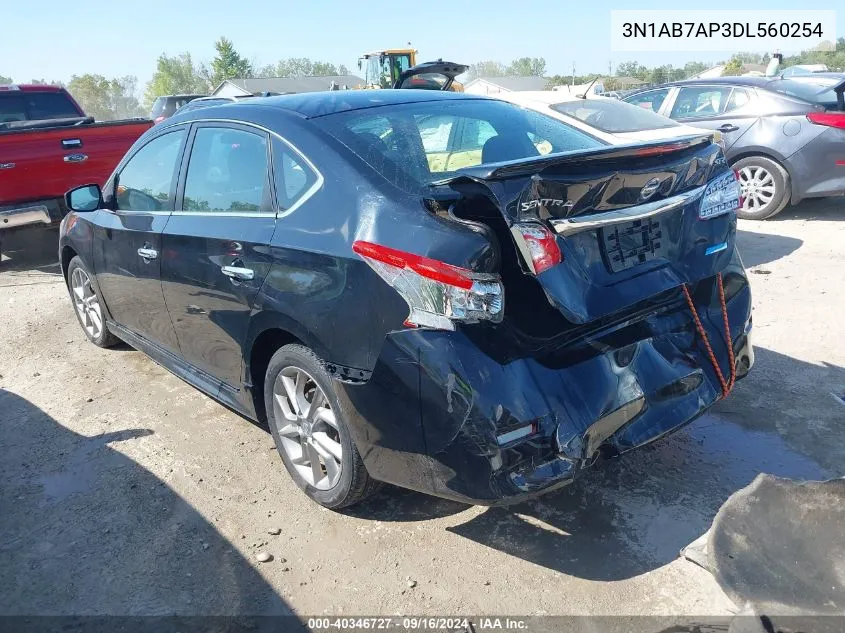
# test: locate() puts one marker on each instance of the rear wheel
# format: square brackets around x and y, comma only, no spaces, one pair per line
[87,305]
[765,187]
[310,430]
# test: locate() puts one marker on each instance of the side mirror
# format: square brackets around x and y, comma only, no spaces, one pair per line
[84,198]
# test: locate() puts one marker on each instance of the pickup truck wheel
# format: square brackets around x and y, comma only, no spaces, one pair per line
[765,187]
[310,430]
[87,305]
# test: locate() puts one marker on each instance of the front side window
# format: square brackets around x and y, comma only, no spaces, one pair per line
[145,182]
[700,102]
[414,144]
[651,100]
[227,171]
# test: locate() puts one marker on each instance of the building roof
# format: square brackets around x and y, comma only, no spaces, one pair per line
[514,84]
[284,85]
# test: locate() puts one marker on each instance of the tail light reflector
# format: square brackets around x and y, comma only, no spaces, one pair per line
[437,293]
[831,119]
[158,119]
[538,246]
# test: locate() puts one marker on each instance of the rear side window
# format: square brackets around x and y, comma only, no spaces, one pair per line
[613,116]
[739,97]
[145,182]
[293,177]
[36,106]
[700,102]
[227,171]
[415,144]
[651,100]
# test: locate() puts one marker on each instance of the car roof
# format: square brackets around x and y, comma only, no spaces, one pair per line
[315,104]
[539,96]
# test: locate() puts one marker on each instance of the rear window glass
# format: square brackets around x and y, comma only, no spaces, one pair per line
[415,144]
[613,116]
[816,90]
[158,107]
[35,106]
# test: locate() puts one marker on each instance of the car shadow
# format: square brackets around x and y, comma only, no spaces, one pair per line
[828,209]
[31,250]
[88,531]
[632,514]
[762,248]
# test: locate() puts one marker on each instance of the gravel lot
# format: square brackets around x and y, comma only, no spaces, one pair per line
[125,491]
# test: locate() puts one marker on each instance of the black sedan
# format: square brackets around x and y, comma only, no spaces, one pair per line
[443,292]
[785,137]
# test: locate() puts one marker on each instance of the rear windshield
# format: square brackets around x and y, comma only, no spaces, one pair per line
[816,90]
[415,144]
[35,106]
[613,116]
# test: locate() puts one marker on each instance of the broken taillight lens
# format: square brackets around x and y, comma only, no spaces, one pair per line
[437,293]
[538,245]
[722,195]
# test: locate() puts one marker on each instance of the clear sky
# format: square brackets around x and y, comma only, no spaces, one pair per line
[53,39]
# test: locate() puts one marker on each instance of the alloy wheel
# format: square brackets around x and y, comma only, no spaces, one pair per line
[758,187]
[86,303]
[307,428]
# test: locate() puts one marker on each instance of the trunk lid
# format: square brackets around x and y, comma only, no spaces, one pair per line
[437,75]
[628,220]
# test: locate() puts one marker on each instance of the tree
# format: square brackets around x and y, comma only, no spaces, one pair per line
[527,67]
[175,75]
[302,67]
[5,80]
[733,67]
[228,63]
[106,99]
[44,82]
[633,69]
[487,68]
[693,68]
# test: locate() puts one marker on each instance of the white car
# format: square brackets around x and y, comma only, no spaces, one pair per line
[611,120]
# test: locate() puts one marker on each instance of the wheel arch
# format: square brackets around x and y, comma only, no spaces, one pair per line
[68,253]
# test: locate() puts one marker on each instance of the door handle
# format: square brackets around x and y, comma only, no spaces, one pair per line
[727,127]
[148,253]
[236,272]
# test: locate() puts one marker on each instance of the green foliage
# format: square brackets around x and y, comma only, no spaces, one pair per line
[176,75]
[527,67]
[733,67]
[302,67]
[106,99]
[835,60]
[228,63]
[486,69]
[5,80]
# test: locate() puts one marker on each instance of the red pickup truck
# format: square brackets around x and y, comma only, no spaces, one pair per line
[48,146]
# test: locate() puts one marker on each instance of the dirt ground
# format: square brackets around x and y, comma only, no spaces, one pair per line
[126,491]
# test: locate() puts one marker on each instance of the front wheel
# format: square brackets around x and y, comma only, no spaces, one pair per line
[310,430]
[765,187]
[87,305]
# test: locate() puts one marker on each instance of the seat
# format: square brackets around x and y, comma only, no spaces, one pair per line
[508,146]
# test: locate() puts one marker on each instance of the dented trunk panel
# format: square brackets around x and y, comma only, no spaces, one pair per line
[612,267]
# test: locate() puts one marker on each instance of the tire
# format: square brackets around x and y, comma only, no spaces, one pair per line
[88,305]
[765,187]
[316,433]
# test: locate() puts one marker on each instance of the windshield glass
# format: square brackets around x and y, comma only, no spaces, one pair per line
[815,90]
[415,144]
[613,116]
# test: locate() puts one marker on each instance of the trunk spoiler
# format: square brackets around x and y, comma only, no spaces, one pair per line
[535,165]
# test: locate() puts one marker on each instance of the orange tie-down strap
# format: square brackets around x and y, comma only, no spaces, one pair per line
[727,385]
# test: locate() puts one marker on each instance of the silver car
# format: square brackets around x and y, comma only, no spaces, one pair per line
[785,137]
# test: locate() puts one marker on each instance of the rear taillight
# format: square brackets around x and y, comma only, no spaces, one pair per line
[722,195]
[437,293]
[538,246]
[158,119]
[830,119]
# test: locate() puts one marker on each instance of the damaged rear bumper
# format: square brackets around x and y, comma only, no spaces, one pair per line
[444,415]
